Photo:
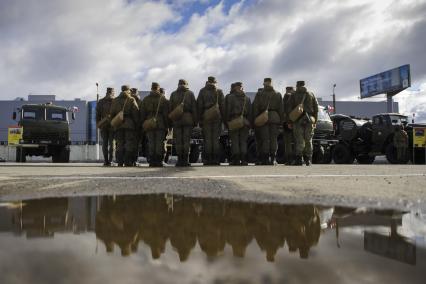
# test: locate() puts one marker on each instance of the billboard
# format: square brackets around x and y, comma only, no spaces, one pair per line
[388,82]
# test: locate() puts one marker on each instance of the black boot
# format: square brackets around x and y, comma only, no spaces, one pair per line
[207,160]
[307,160]
[152,161]
[179,161]
[185,160]
[244,160]
[272,160]
[235,161]
[298,161]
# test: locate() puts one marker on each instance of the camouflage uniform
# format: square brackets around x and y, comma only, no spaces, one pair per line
[125,134]
[107,134]
[207,98]
[288,137]
[135,95]
[400,141]
[182,128]
[304,127]
[235,102]
[267,134]
[156,136]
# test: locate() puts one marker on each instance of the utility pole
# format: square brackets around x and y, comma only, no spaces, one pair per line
[334,99]
[97,129]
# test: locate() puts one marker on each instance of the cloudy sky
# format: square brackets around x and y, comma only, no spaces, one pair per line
[63,47]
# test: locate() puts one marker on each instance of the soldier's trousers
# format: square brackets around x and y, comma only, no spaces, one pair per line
[156,143]
[211,134]
[239,142]
[303,133]
[126,146]
[182,137]
[288,139]
[107,136]
[267,139]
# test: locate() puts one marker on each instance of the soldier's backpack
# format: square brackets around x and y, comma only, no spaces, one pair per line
[238,122]
[177,112]
[151,123]
[212,113]
[263,118]
[298,110]
[103,122]
[118,119]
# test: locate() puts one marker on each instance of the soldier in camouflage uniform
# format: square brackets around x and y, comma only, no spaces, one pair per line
[102,111]
[288,137]
[400,141]
[135,95]
[303,128]
[212,127]
[155,100]
[235,103]
[267,99]
[125,134]
[182,128]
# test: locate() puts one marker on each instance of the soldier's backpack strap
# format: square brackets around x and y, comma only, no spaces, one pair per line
[158,107]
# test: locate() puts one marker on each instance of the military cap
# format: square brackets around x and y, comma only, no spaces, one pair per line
[267,80]
[238,84]
[211,79]
[110,90]
[300,83]
[289,88]
[134,90]
[155,85]
[183,82]
[125,87]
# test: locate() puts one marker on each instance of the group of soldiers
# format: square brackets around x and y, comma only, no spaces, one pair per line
[126,119]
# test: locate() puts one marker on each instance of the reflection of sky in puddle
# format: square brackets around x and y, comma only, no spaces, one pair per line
[193,240]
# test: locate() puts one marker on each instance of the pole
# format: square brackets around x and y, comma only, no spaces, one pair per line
[97,130]
[389,103]
[334,99]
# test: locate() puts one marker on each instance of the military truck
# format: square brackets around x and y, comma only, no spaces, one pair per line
[364,139]
[45,132]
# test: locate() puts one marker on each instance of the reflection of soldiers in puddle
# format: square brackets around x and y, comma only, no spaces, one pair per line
[209,227]
[267,228]
[181,227]
[237,228]
[153,227]
[304,230]
[115,223]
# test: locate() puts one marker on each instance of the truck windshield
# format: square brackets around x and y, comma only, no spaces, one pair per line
[398,120]
[33,113]
[323,115]
[56,114]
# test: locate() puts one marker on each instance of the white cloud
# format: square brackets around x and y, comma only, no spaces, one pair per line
[64,47]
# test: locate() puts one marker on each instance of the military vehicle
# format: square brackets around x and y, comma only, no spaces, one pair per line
[45,132]
[364,139]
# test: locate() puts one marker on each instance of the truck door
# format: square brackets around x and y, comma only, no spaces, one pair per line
[379,124]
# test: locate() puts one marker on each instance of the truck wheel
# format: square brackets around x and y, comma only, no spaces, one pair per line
[194,155]
[342,154]
[391,155]
[365,159]
[20,155]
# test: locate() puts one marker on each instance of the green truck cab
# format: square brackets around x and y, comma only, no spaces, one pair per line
[46,132]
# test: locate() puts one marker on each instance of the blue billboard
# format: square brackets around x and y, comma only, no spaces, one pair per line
[388,82]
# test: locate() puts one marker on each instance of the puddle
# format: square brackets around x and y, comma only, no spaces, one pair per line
[172,239]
